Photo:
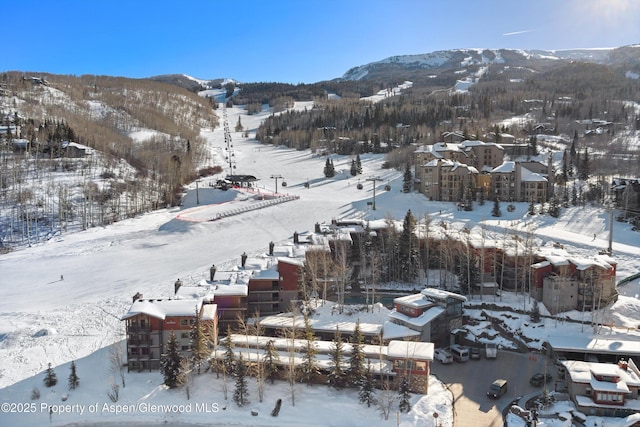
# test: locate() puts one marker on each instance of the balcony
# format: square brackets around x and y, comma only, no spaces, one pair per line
[136,329]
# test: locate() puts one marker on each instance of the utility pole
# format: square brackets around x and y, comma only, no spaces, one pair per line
[374,179]
[276,177]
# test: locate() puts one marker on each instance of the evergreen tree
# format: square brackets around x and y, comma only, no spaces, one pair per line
[337,375]
[239,125]
[408,249]
[468,199]
[354,168]
[309,370]
[533,145]
[229,357]
[532,208]
[574,195]
[573,151]
[356,371]
[199,341]
[469,274]
[535,312]
[554,207]
[584,166]
[171,364]
[241,391]
[271,361]
[358,164]
[50,378]
[405,395]
[407,179]
[329,170]
[496,208]
[367,388]
[74,380]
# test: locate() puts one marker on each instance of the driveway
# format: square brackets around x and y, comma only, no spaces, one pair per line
[469,382]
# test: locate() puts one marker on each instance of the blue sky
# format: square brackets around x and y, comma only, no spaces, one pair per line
[293,41]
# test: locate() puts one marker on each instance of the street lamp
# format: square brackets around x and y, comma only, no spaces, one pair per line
[374,179]
[276,177]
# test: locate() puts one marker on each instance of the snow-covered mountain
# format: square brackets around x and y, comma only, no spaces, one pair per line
[456,59]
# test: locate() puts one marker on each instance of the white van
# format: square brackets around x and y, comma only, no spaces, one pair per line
[443,356]
[459,353]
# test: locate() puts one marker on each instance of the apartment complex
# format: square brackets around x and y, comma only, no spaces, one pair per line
[473,169]
[150,322]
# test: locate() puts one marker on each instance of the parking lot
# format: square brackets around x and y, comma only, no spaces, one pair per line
[469,382]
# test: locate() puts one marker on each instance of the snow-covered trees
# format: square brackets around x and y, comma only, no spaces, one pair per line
[74,380]
[50,378]
[496,208]
[329,169]
[356,370]
[229,357]
[407,179]
[408,249]
[309,369]
[199,341]
[367,388]
[271,361]
[241,391]
[337,376]
[404,405]
[171,364]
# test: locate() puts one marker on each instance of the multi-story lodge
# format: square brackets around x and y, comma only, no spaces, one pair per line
[565,283]
[471,169]
[149,323]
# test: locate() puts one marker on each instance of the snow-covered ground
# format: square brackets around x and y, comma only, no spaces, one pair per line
[62,300]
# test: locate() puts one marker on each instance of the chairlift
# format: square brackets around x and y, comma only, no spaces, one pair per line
[284,183]
[359,186]
[387,187]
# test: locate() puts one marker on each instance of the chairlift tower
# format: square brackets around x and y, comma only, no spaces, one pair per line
[276,177]
[374,179]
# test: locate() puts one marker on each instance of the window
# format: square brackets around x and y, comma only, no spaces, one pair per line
[184,322]
[184,348]
[184,335]
[421,366]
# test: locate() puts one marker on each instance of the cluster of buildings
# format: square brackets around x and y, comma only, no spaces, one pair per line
[268,285]
[471,170]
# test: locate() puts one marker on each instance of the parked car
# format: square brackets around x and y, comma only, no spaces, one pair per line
[497,389]
[491,350]
[537,380]
[443,356]
[474,353]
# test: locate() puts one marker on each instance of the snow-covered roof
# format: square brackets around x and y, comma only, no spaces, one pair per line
[163,308]
[441,294]
[410,350]
[419,321]
[392,330]
[285,320]
[586,372]
[528,176]
[594,344]
[415,300]
[505,167]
